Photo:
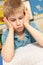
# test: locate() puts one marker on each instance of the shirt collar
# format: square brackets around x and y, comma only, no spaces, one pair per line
[26,34]
[15,35]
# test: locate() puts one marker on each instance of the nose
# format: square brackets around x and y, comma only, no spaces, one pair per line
[18,22]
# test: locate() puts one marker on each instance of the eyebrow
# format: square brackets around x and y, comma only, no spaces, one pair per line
[19,16]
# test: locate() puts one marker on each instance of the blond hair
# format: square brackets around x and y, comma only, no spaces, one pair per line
[10,6]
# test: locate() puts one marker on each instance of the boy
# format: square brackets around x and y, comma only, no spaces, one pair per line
[20,30]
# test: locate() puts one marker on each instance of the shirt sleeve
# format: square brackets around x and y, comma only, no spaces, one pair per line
[4,37]
[36,27]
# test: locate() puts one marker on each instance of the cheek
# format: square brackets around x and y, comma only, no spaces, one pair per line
[14,25]
[22,22]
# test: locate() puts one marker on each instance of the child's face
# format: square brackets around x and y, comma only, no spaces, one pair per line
[17,21]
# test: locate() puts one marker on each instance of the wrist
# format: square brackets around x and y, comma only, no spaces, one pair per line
[11,29]
[26,25]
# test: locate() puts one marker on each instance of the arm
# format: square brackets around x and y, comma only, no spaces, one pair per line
[37,35]
[8,47]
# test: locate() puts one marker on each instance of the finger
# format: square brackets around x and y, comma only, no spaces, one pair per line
[6,21]
[11,24]
[27,12]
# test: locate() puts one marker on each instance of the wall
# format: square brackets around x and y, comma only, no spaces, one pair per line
[39,21]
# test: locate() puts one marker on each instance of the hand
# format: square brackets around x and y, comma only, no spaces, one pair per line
[26,18]
[8,23]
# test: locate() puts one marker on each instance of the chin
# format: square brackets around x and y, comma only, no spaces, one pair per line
[19,31]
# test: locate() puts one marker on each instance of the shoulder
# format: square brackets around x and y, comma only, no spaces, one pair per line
[5,32]
[32,23]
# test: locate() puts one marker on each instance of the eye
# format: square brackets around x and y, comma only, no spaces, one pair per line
[20,18]
[13,20]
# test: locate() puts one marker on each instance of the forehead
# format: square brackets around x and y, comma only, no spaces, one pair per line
[16,13]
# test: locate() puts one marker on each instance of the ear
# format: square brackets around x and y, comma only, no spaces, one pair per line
[24,11]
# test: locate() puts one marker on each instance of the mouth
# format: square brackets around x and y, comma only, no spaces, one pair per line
[19,27]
